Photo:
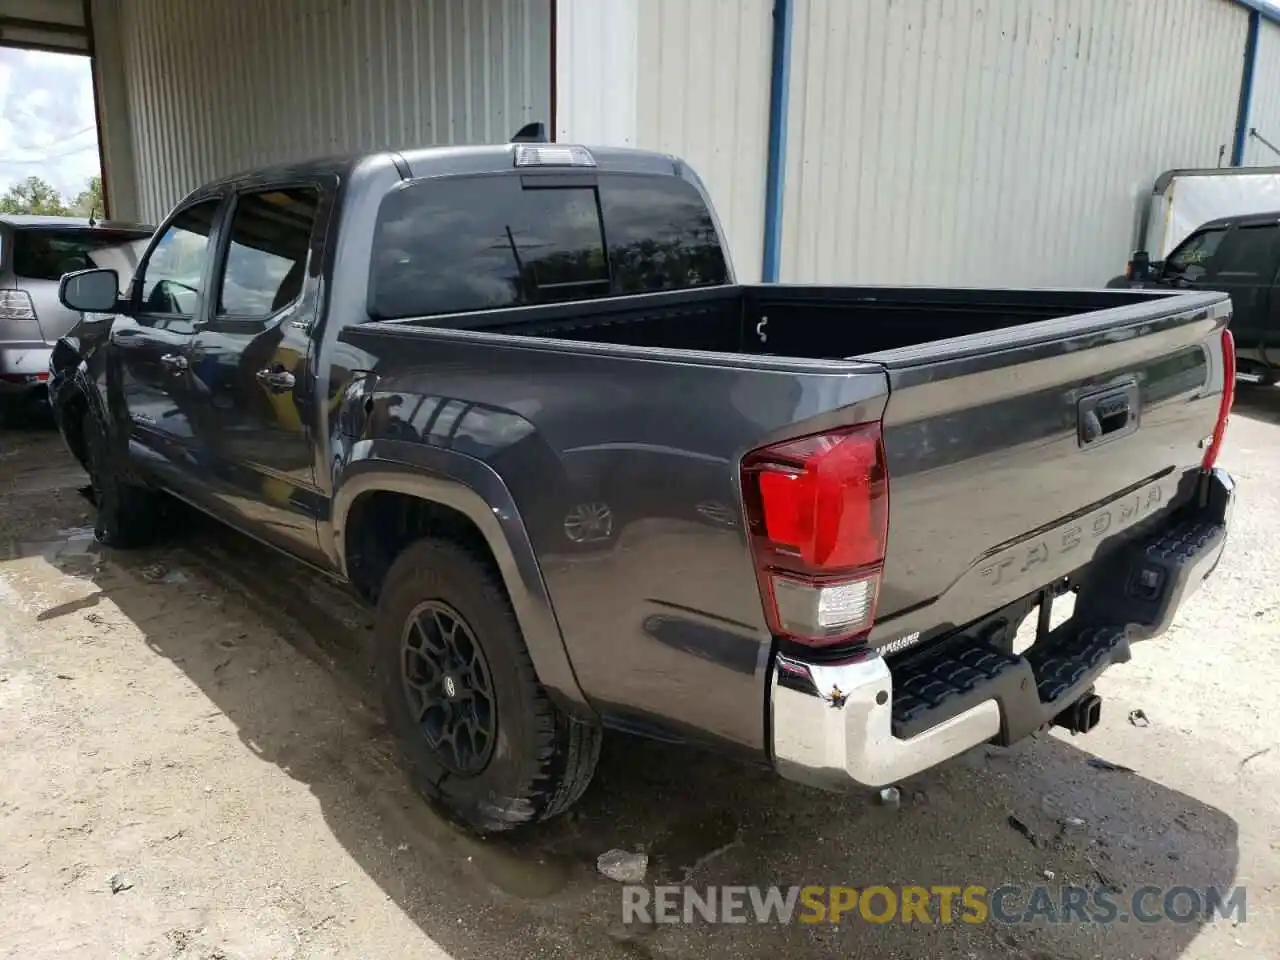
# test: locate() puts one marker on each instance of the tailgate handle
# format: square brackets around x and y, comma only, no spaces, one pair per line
[1109,415]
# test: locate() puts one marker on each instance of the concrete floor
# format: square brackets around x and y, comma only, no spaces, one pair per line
[194,720]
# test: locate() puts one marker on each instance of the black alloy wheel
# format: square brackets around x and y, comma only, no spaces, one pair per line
[448,687]
[475,729]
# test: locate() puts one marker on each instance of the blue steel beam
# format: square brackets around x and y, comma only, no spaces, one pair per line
[1246,89]
[775,174]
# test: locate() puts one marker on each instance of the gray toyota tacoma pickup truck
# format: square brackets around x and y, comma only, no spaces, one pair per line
[515,398]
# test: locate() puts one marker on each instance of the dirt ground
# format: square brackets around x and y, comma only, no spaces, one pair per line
[191,726]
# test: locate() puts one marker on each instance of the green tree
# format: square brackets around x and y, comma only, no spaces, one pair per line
[33,195]
[89,201]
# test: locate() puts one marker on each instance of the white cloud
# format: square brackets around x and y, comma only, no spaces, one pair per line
[47,123]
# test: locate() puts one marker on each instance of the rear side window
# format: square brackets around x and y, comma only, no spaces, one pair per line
[267,256]
[456,245]
[46,254]
[1247,253]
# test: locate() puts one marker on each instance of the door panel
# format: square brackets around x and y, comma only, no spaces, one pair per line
[250,368]
[151,344]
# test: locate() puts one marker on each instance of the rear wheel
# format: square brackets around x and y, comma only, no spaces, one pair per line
[477,731]
[128,515]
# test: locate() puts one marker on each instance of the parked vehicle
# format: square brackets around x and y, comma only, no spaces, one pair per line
[1181,200]
[514,396]
[1237,255]
[34,254]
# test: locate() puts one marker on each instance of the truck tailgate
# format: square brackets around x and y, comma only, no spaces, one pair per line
[1016,456]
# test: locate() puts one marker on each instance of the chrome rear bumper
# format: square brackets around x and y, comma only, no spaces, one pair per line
[834,725]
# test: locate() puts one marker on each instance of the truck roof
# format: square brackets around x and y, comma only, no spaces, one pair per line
[1242,218]
[437,161]
[442,161]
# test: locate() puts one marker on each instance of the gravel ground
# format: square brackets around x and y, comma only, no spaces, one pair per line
[190,726]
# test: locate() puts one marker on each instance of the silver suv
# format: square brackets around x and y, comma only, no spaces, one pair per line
[35,252]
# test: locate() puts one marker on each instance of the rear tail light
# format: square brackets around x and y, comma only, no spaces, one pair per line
[1224,404]
[25,378]
[818,510]
[16,305]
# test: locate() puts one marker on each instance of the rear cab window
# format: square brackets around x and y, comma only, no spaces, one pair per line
[46,253]
[455,245]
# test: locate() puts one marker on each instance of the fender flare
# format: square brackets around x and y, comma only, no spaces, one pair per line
[476,491]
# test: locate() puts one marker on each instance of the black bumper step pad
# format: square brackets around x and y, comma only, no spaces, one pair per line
[1060,667]
[1031,690]
[1130,595]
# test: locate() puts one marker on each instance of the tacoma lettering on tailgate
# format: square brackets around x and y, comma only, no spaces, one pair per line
[1034,556]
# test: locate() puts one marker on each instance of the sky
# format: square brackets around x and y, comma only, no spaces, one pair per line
[47,123]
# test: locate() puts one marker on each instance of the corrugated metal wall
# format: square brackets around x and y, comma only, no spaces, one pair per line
[703,94]
[217,87]
[995,141]
[596,48]
[1264,106]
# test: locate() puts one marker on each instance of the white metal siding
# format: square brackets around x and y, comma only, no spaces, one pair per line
[703,94]
[218,87]
[596,50]
[1264,106]
[995,141]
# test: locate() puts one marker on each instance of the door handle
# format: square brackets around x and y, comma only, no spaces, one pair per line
[276,381]
[175,363]
[1108,415]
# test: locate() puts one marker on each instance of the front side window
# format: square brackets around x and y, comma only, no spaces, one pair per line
[267,254]
[457,245]
[172,275]
[1190,260]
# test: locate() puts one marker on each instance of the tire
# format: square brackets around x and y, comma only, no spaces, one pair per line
[535,762]
[128,515]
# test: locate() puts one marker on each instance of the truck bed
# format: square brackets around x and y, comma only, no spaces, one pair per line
[799,321]
[994,489]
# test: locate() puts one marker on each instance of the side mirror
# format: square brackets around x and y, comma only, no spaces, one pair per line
[1140,266]
[90,291]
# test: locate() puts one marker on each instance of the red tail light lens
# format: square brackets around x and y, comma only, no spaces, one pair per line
[819,514]
[1228,398]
